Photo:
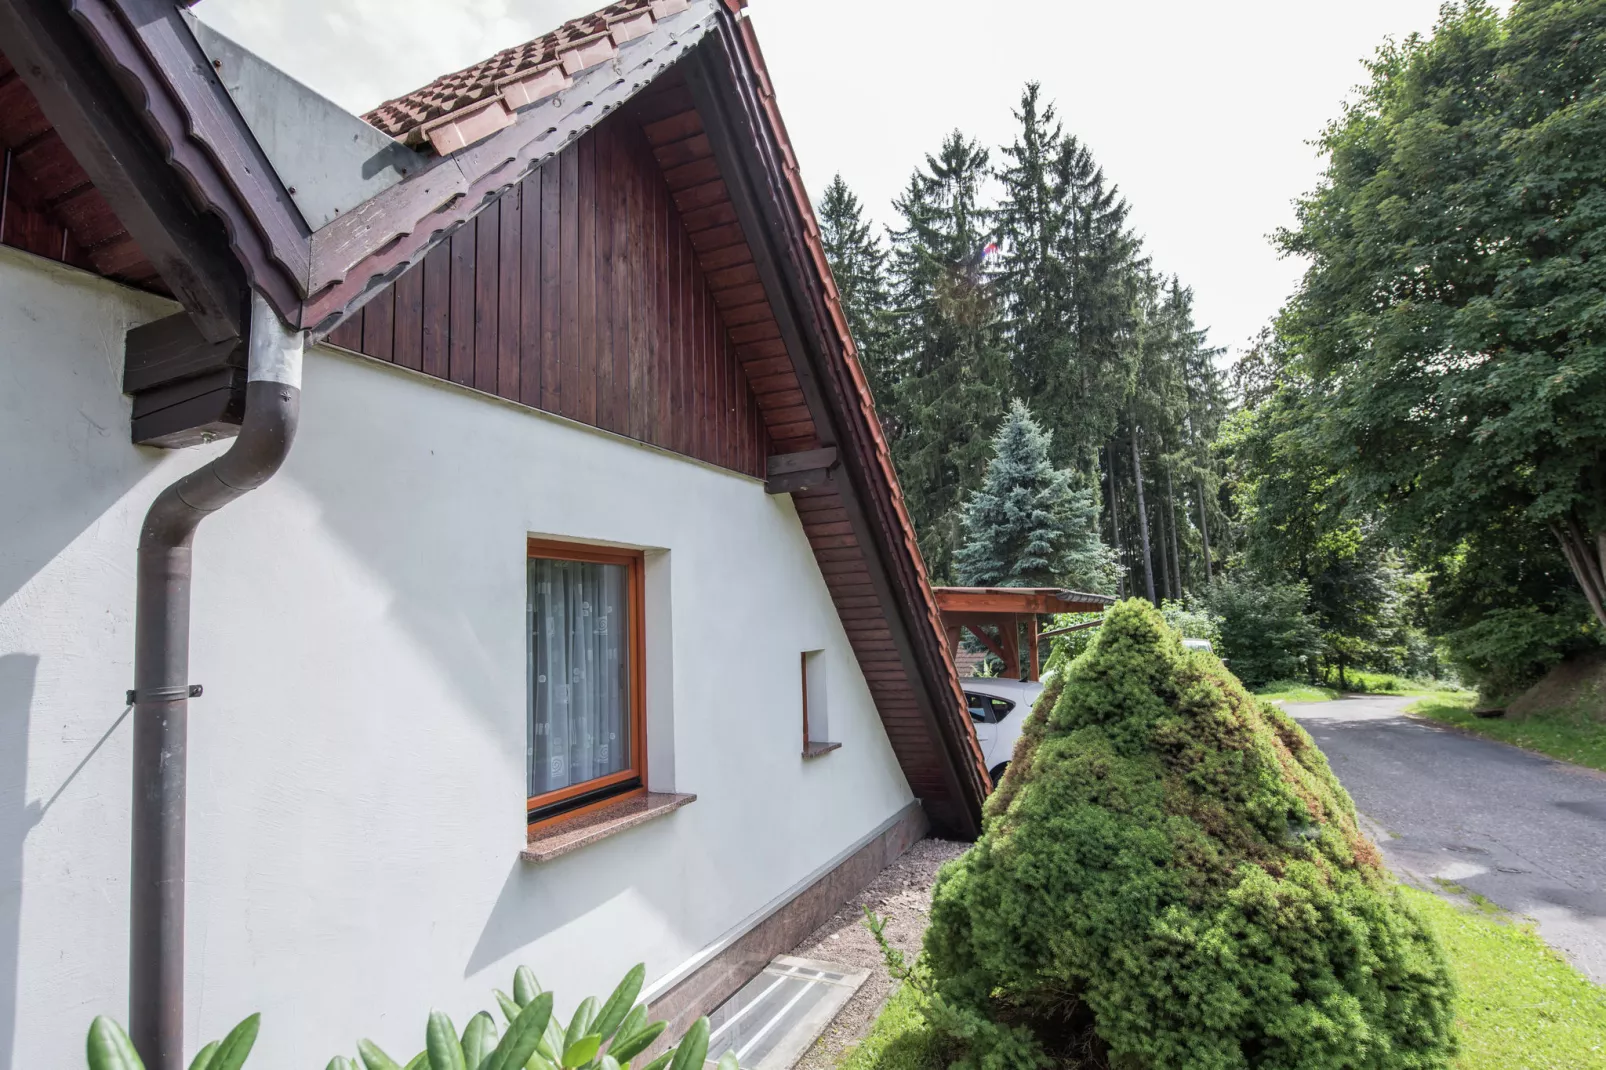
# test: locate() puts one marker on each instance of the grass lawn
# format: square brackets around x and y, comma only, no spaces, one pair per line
[1521,1005]
[1381,683]
[1294,691]
[1570,735]
[1360,683]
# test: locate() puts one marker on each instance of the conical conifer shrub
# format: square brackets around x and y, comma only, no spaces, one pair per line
[1171,878]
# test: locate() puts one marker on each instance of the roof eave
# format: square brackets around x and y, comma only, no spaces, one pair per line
[733,73]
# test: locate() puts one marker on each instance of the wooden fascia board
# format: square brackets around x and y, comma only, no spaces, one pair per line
[983,602]
[812,272]
[95,120]
[810,275]
[208,146]
[716,87]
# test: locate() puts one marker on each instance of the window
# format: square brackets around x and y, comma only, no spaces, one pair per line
[587,726]
[816,721]
[986,709]
[981,708]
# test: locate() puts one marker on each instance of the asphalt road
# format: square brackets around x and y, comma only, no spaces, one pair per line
[1526,832]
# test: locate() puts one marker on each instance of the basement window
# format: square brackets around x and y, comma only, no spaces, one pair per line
[816,717]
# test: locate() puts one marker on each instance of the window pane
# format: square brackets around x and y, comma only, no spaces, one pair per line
[579,672]
[981,707]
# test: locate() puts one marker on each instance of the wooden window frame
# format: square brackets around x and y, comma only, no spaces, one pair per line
[636,650]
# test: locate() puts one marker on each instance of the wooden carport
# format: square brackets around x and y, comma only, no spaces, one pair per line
[1005,609]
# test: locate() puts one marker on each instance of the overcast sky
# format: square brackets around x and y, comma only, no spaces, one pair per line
[1200,112]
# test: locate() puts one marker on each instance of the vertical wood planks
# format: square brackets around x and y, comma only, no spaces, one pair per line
[551,264]
[487,294]
[579,291]
[437,268]
[530,291]
[460,348]
[570,268]
[585,399]
[508,294]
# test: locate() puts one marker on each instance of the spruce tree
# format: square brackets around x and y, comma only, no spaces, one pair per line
[1065,280]
[953,371]
[1030,524]
[859,264]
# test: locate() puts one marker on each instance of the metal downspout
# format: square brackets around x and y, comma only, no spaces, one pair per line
[162,684]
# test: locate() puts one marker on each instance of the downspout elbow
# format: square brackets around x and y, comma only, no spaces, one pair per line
[162,685]
[267,430]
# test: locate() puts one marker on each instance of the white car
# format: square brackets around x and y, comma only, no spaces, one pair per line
[998,708]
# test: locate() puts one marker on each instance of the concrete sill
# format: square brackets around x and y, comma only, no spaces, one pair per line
[815,750]
[559,840]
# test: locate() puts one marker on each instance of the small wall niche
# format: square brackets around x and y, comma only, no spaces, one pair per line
[816,710]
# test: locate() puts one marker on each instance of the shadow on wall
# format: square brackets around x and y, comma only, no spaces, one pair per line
[17,818]
[525,911]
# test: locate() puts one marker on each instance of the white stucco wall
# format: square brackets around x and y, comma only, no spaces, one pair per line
[357,763]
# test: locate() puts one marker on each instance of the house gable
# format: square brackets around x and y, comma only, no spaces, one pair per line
[724,162]
[578,291]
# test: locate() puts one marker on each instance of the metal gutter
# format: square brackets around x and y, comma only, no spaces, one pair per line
[162,688]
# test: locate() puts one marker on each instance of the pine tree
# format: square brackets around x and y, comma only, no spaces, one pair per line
[953,373]
[1067,261]
[1030,524]
[859,265]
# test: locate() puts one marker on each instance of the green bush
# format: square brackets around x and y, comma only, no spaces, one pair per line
[1170,878]
[1266,634]
[535,1038]
[1510,649]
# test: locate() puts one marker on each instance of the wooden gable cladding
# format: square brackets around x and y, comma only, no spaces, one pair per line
[578,292]
[674,128]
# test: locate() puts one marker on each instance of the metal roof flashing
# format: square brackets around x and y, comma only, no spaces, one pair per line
[329,160]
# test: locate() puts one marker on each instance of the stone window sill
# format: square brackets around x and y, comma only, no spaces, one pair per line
[560,839]
[816,750]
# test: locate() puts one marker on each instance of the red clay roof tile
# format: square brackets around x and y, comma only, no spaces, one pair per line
[541,65]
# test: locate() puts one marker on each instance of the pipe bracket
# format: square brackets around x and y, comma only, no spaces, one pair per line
[164,694]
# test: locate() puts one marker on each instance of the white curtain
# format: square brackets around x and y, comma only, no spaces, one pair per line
[579,672]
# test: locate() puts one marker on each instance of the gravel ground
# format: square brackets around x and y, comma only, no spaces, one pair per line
[901,894]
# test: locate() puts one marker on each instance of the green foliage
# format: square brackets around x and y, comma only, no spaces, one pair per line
[951,368]
[1171,877]
[1064,282]
[1507,607]
[1510,649]
[1043,294]
[1294,691]
[1192,619]
[900,1039]
[1265,632]
[1452,316]
[1030,525]
[1520,1004]
[859,266]
[534,1040]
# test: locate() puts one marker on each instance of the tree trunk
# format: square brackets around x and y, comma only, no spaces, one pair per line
[1204,532]
[1115,522]
[1143,514]
[1162,528]
[1587,557]
[1176,552]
